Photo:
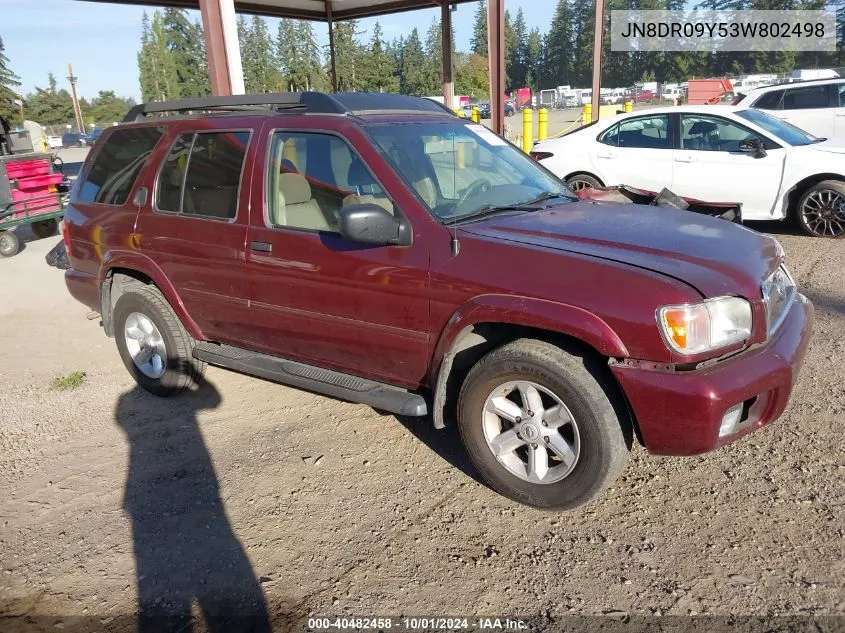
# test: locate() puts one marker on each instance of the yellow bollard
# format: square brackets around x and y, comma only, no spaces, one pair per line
[543,123]
[476,114]
[587,115]
[460,113]
[527,130]
[629,106]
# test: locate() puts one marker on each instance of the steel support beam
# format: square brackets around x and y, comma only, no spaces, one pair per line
[332,56]
[221,47]
[597,44]
[496,53]
[448,68]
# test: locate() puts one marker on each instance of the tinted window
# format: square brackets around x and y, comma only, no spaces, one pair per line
[841,99]
[202,174]
[805,98]
[311,177]
[713,134]
[645,132]
[117,165]
[770,100]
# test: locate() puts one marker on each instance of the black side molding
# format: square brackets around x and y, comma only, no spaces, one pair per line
[316,379]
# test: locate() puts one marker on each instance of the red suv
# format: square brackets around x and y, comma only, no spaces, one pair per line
[378,249]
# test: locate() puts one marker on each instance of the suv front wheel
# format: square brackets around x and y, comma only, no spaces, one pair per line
[153,343]
[540,425]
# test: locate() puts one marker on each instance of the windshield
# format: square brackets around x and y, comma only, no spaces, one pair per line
[786,132]
[461,169]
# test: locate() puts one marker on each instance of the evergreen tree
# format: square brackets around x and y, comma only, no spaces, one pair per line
[348,54]
[311,64]
[287,53]
[377,74]
[434,59]
[258,57]
[154,61]
[187,67]
[107,108]
[50,106]
[478,44]
[560,47]
[518,59]
[511,81]
[9,82]
[583,20]
[413,79]
[535,76]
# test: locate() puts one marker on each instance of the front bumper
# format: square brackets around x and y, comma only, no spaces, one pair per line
[679,413]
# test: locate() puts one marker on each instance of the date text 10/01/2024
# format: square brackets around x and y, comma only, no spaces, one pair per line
[418,624]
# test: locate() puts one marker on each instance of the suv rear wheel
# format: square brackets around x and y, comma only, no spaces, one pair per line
[153,343]
[540,425]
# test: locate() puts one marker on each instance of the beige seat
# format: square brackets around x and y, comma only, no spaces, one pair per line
[295,207]
[427,191]
[355,198]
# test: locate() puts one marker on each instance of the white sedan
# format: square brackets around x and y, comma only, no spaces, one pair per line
[713,153]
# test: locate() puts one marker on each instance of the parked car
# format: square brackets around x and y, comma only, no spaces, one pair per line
[509,109]
[484,110]
[412,261]
[815,106]
[715,153]
[75,139]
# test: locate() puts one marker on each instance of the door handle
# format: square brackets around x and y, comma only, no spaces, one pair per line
[684,159]
[606,155]
[840,114]
[263,247]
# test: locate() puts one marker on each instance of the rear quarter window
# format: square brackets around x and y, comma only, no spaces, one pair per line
[116,165]
[770,100]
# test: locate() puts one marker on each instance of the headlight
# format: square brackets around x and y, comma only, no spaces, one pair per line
[778,292]
[692,328]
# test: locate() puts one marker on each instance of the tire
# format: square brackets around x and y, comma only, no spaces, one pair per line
[45,228]
[9,244]
[582,181]
[821,210]
[599,436]
[179,370]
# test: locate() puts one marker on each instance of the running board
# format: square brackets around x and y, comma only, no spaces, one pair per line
[323,381]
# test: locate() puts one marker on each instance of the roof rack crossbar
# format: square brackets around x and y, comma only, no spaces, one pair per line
[312,102]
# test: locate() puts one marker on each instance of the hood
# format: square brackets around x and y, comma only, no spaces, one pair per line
[831,146]
[714,256]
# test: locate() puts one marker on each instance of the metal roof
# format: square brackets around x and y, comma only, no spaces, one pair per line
[306,9]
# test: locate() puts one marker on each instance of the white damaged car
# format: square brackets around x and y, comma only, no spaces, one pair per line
[715,153]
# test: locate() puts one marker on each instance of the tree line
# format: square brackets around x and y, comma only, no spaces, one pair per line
[54,106]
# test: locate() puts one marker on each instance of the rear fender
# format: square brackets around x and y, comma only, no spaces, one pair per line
[140,263]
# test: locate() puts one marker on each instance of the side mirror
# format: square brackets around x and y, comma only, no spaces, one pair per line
[372,224]
[753,146]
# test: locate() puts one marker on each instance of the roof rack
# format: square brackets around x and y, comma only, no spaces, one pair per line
[309,102]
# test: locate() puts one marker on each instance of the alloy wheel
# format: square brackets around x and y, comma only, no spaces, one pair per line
[823,213]
[531,432]
[145,345]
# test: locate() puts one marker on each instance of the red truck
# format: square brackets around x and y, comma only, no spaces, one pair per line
[383,251]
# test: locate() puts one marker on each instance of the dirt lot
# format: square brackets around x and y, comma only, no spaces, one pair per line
[285,503]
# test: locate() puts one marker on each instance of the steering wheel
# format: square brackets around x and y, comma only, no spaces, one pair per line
[479,186]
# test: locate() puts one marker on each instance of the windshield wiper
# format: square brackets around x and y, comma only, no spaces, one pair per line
[528,205]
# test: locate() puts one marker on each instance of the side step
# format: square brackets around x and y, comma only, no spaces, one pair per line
[317,379]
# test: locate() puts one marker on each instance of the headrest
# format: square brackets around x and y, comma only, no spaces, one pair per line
[358,175]
[287,165]
[294,188]
[702,127]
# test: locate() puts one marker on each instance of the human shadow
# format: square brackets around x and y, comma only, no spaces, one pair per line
[185,550]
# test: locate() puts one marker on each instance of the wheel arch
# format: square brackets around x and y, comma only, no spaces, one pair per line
[491,321]
[794,193]
[584,172]
[120,272]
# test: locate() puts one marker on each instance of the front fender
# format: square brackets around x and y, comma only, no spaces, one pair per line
[138,262]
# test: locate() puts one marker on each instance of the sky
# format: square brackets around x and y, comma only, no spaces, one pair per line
[102,40]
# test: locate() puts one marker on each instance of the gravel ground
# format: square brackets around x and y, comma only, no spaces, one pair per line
[285,503]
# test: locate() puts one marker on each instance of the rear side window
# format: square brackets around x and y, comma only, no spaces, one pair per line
[806,98]
[643,133]
[117,165]
[202,175]
[770,100]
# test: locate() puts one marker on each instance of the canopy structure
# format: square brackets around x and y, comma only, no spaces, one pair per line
[224,57]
